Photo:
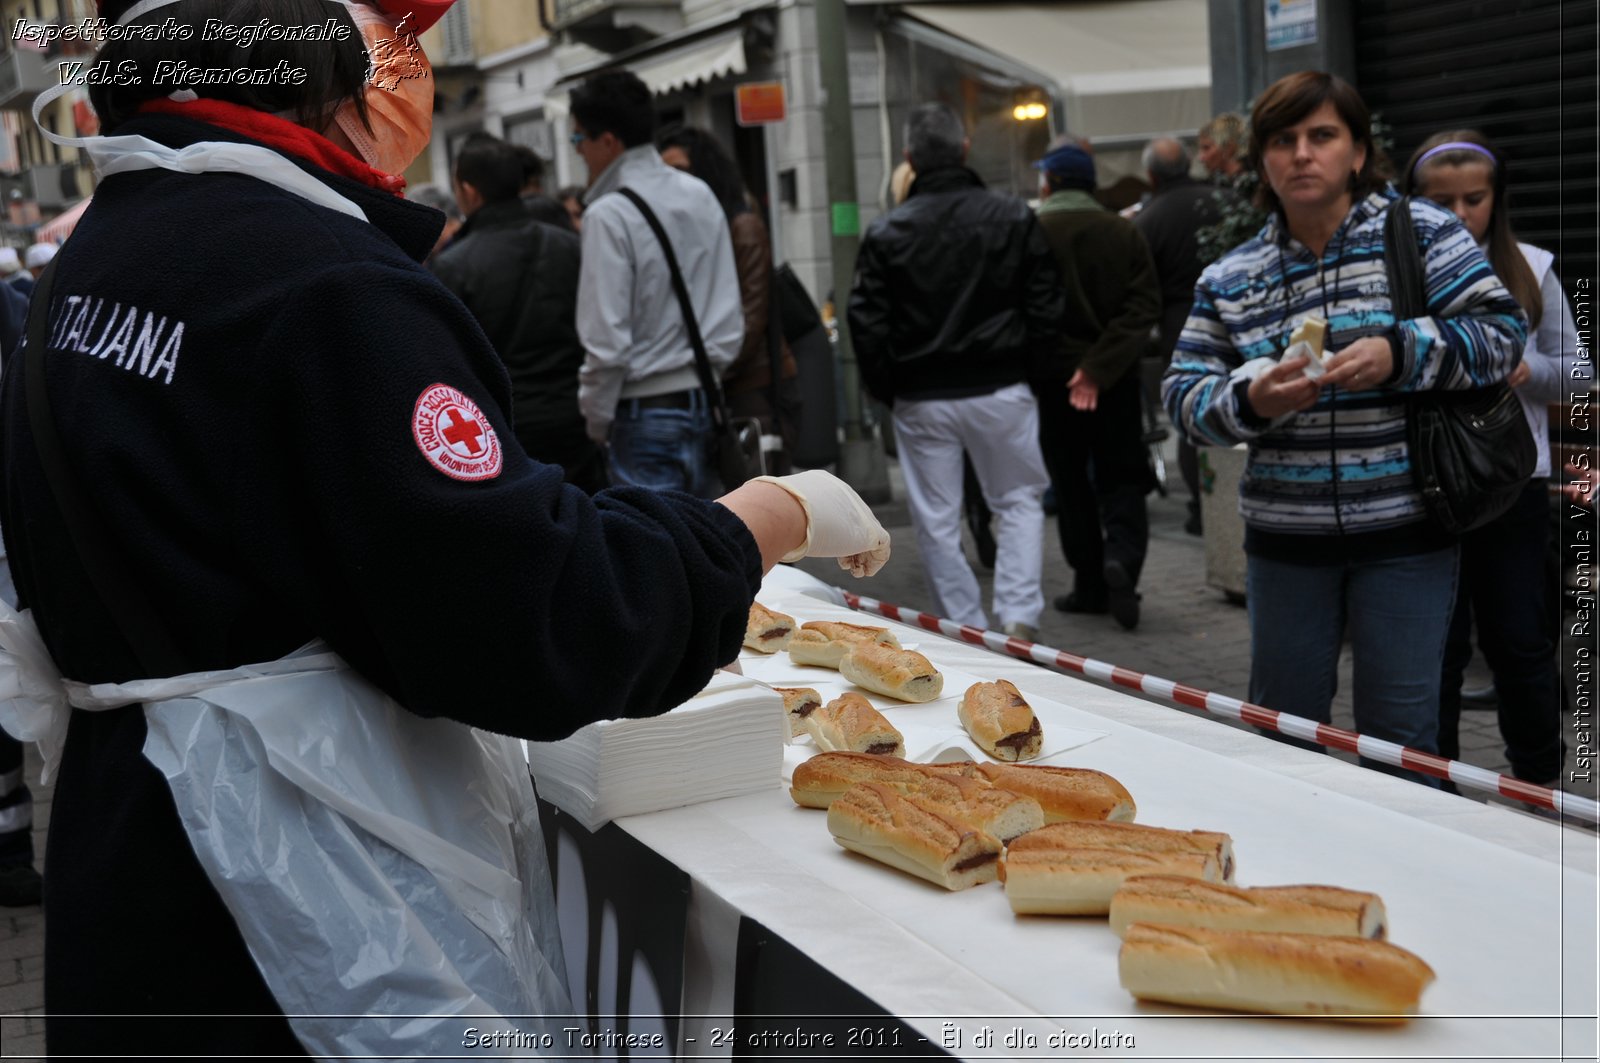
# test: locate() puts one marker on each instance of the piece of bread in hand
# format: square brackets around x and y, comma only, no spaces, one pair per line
[1173,901]
[798,703]
[977,804]
[875,820]
[1049,880]
[849,722]
[825,642]
[1313,331]
[1001,721]
[1276,974]
[1135,837]
[1065,793]
[822,778]
[767,630]
[903,674]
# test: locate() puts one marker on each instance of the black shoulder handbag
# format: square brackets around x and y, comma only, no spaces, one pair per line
[738,443]
[1471,451]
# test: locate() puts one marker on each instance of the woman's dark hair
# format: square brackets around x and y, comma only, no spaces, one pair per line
[615,102]
[334,71]
[710,162]
[1509,265]
[1293,99]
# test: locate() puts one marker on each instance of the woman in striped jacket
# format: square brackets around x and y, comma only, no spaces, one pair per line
[1335,532]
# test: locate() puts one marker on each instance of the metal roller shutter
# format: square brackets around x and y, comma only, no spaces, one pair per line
[1521,71]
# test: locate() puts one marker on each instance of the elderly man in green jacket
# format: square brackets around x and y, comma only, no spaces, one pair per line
[1089,404]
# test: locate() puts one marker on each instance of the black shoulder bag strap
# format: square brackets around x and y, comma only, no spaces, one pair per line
[702,361]
[129,609]
[1402,261]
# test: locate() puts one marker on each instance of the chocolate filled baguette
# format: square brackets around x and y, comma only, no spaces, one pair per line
[1135,837]
[1044,879]
[798,703]
[1277,974]
[818,781]
[978,805]
[1065,794]
[1326,910]
[825,642]
[903,674]
[767,630]
[876,821]
[850,722]
[1001,721]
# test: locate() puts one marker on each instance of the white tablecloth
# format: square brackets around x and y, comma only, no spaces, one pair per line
[1501,905]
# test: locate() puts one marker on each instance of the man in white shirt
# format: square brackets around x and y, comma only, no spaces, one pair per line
[638,387]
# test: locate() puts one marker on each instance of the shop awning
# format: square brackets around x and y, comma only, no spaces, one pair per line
[674,62]
[1129,68]
[60,227]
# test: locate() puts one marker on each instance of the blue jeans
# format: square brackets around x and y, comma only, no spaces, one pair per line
[664,449]
[1398,613]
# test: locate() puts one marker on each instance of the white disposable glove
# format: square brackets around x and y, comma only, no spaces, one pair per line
[838,523]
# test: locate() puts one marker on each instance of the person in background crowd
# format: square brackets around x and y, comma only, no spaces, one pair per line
[1090,414]
[34,259]
[20,883]
[748,382]
[442,201]
[519,277]
[540,206]
[571,197]
[10,263]
[1222,144]
[955,291]
[1501,587]
[639,389]
[328,447]
[1179,208]
[1336,536]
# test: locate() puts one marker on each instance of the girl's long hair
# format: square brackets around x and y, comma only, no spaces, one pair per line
[1507,261]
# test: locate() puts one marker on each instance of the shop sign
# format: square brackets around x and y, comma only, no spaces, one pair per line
[1290,23]
[759,103]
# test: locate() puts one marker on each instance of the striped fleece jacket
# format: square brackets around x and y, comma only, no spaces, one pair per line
[1333,483]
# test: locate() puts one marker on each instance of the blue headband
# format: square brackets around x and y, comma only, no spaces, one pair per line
[1456,145]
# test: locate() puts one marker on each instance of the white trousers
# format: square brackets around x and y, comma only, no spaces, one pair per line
[1001,433]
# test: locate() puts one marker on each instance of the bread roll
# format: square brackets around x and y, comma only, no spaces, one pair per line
[1277,974]
[1134,837]
[850,722]
[1313,331]
[827,775]
[1046,880]
[874,820]
[1065,793]
[903,674]
[1001,721]
[978,805]
[798,703]
[766,630]
[1325,910]
[825,642]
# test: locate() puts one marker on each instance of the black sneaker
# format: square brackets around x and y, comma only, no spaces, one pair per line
[1120,595]
[20,886]
[1080,603]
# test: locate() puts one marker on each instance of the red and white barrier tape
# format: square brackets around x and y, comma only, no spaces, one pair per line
[1463,775]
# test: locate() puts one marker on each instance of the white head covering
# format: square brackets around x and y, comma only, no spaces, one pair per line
[39,255]
[9,262]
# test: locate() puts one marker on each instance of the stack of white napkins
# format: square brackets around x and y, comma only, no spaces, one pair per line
[725,741]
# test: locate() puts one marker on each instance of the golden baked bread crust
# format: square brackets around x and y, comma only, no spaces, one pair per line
[1065,794]
[876,821]
[903,674]
[1001,721]
[850,722]
[1325,910]
[767,630]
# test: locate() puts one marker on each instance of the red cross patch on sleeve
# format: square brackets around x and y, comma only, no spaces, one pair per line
[455,436]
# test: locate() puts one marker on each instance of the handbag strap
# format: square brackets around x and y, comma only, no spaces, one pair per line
[702,361]
[1402,260]
[130,611]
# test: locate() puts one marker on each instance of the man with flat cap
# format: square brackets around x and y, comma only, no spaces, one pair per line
[1089,412]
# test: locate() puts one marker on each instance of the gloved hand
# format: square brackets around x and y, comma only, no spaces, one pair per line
[838,523]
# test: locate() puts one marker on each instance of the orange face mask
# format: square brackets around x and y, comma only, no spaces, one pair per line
[399,95]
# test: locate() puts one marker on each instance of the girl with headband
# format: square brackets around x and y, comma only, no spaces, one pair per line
[1337,540]
[295,448]
[1502,587]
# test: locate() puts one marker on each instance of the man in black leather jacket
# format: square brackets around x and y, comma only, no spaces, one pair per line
[955,293]
[519,277]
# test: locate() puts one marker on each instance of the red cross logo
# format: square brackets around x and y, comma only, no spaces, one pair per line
[462,431]
[454,435]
